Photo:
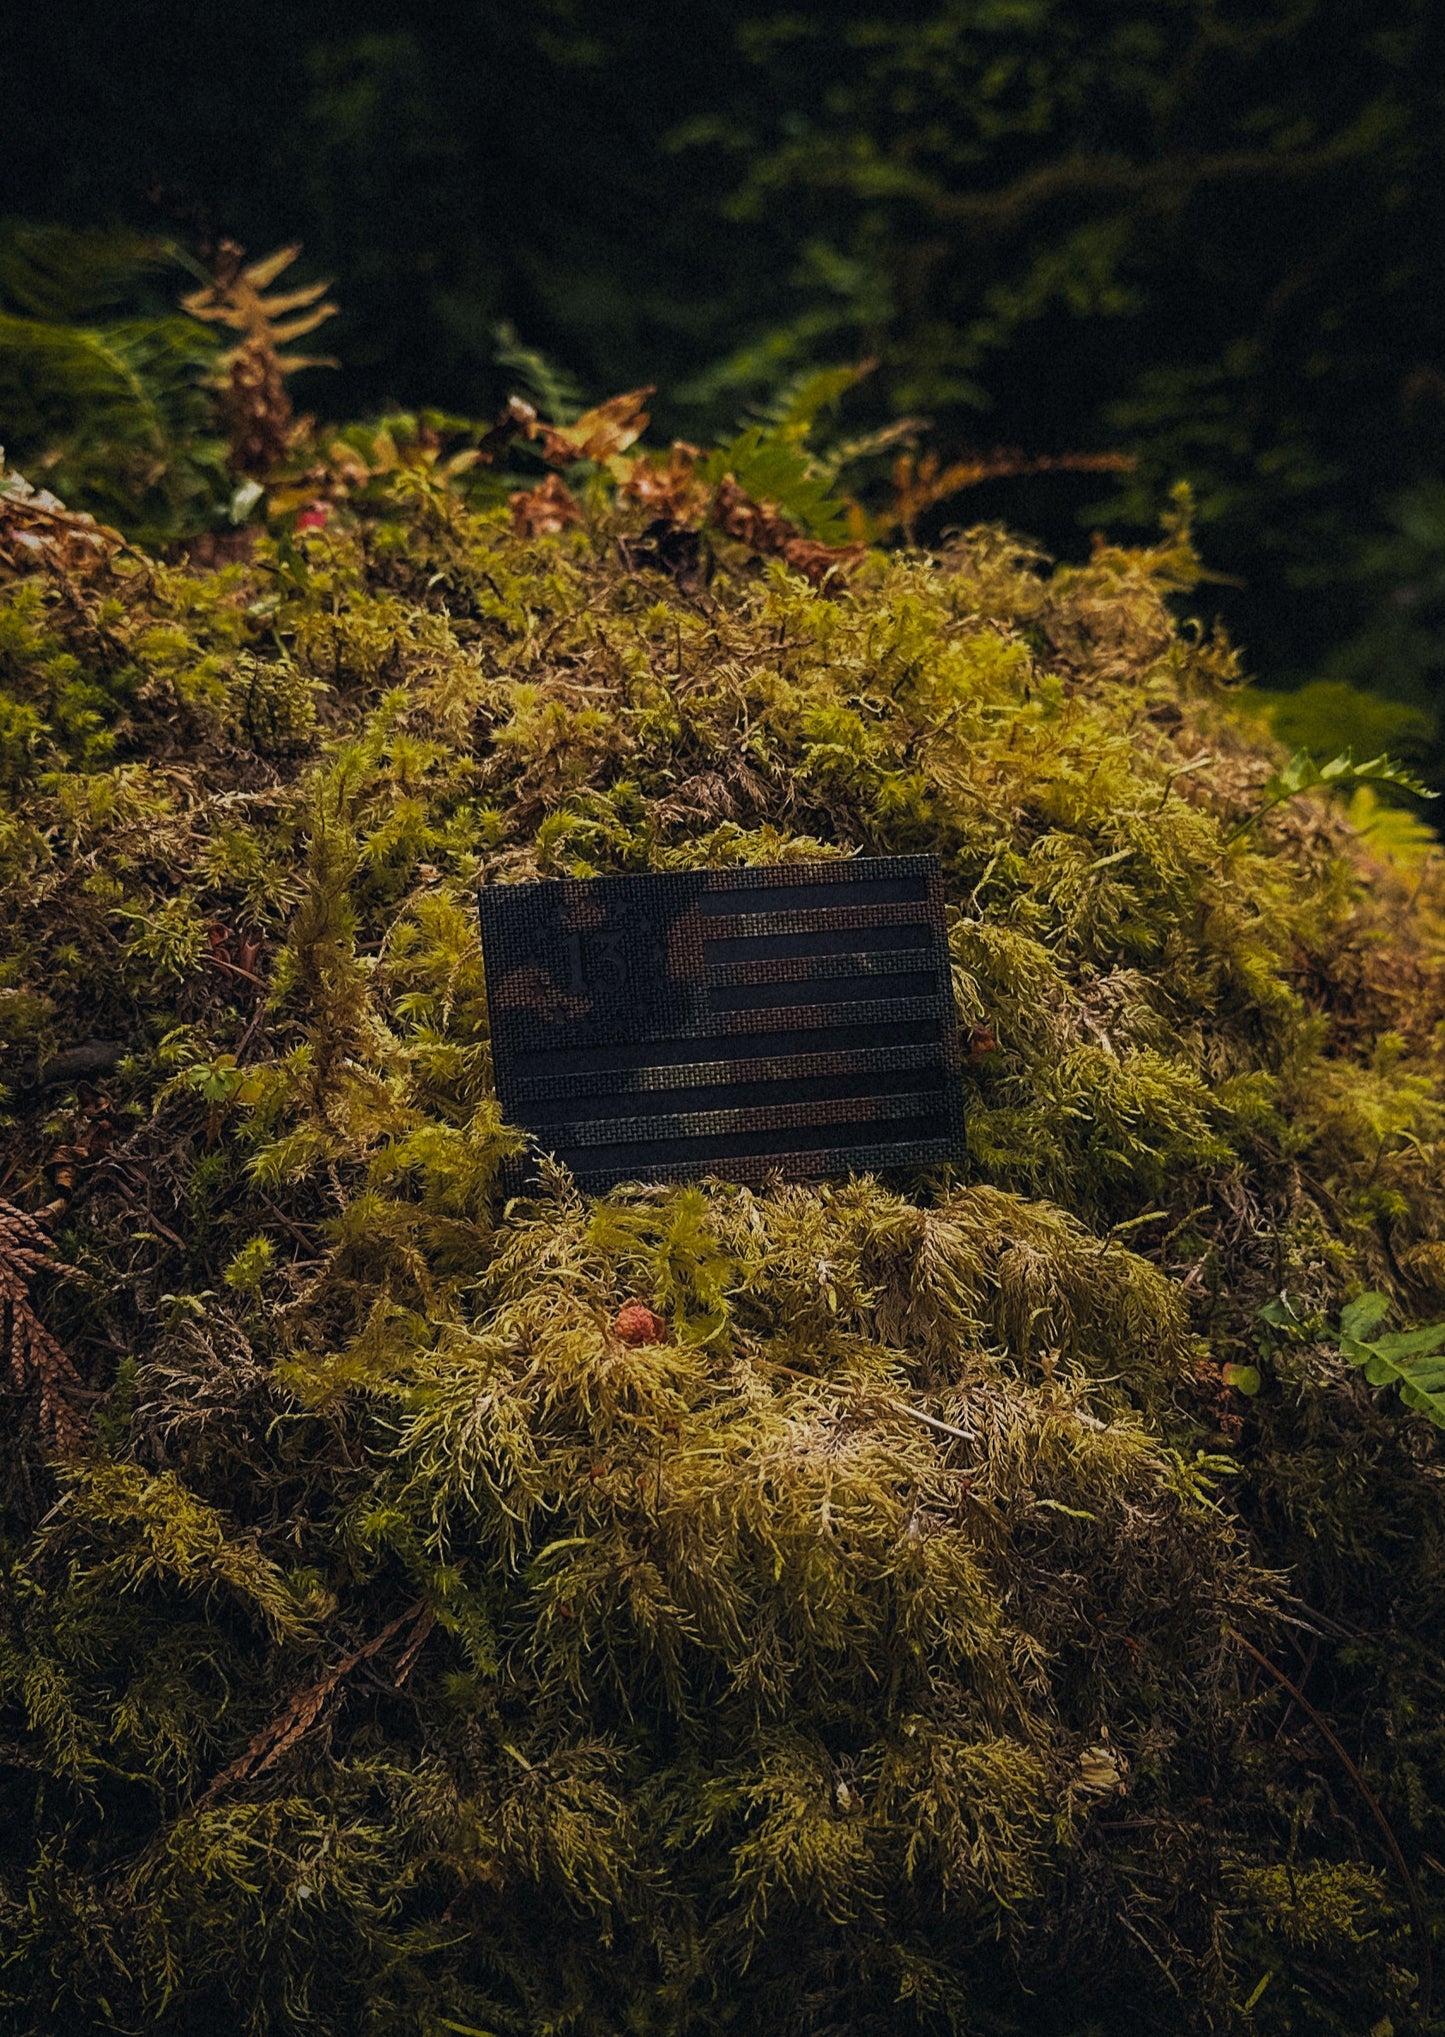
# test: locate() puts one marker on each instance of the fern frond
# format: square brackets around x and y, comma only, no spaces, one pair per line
[114,417]
[797,404]
[772,468]
[135,383]
[1304,773]
[234,297]
[66,275]
[35,1363]
[555,394]
[1412,1361]
[251,375]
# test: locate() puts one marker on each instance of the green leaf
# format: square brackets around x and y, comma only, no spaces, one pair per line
[1243,1378]
[1412,1361]
[1304,773]
[1411,1343]
[794,408]
[770,467]
[116,417]
[1280,1314]
[1364,1316]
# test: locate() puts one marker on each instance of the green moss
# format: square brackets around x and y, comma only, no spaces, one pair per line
[403,1650]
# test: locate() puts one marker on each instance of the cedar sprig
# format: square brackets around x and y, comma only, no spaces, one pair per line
[34,1362]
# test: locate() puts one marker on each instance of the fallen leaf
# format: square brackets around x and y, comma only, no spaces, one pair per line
[599,434]
[1099,1769]
[763,526]
[669,487]
[36,529]
[544,510]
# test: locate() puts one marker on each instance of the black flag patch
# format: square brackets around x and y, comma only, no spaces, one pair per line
[795,1019]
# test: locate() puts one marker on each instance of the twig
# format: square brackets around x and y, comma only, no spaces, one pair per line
[253,1027]
[901,1407]
[1157,1957]
[1328,1734]
[282,1732]
[235,969]
[931,1421]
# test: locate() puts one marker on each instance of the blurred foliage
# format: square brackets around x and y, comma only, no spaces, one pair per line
[148,450]
[1195,233]
[1324,714]
[101,381]
[1202,235]
[1399,644]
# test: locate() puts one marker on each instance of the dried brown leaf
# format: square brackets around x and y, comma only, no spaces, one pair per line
[259,274]
[763,526]
[36,529]
[599,434]
[669,487]
[545,509]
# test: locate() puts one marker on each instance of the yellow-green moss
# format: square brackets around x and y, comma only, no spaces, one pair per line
[405,1651]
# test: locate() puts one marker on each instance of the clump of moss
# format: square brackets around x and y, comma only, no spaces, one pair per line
[403,1648]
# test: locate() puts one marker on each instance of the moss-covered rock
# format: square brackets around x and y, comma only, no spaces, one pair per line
[394,1643]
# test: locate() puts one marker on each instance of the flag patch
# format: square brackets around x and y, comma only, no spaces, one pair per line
[797,1019]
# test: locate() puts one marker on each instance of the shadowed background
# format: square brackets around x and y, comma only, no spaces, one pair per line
[1207,236]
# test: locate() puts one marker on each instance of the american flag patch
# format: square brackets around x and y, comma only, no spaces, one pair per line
[797,1019]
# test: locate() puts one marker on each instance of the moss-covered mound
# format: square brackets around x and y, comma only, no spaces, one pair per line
[896,1637]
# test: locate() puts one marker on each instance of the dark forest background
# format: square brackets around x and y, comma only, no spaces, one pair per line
[1207,233]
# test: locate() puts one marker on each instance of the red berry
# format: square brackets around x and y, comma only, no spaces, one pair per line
[635,1323]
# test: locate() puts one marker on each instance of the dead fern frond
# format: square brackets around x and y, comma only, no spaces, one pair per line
[920,483]
[260,424]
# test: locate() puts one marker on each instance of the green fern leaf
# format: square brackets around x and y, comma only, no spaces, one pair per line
[1413,1361]
[1305,773]
[556,394]
[115,420]
[66,275]
[770,467]
[111,413]
[792,410]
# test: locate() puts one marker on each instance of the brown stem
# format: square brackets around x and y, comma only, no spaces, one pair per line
[1328,1734]
[1099,176]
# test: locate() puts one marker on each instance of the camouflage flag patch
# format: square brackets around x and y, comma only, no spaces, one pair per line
[797,1019]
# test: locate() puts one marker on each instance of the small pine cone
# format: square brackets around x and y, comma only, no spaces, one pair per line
[636,1323]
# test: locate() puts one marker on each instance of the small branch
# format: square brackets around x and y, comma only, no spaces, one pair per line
[234,969]
[1328,1734]
[932,1422]
[301,1713]
[899,1407]
[1252,820]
